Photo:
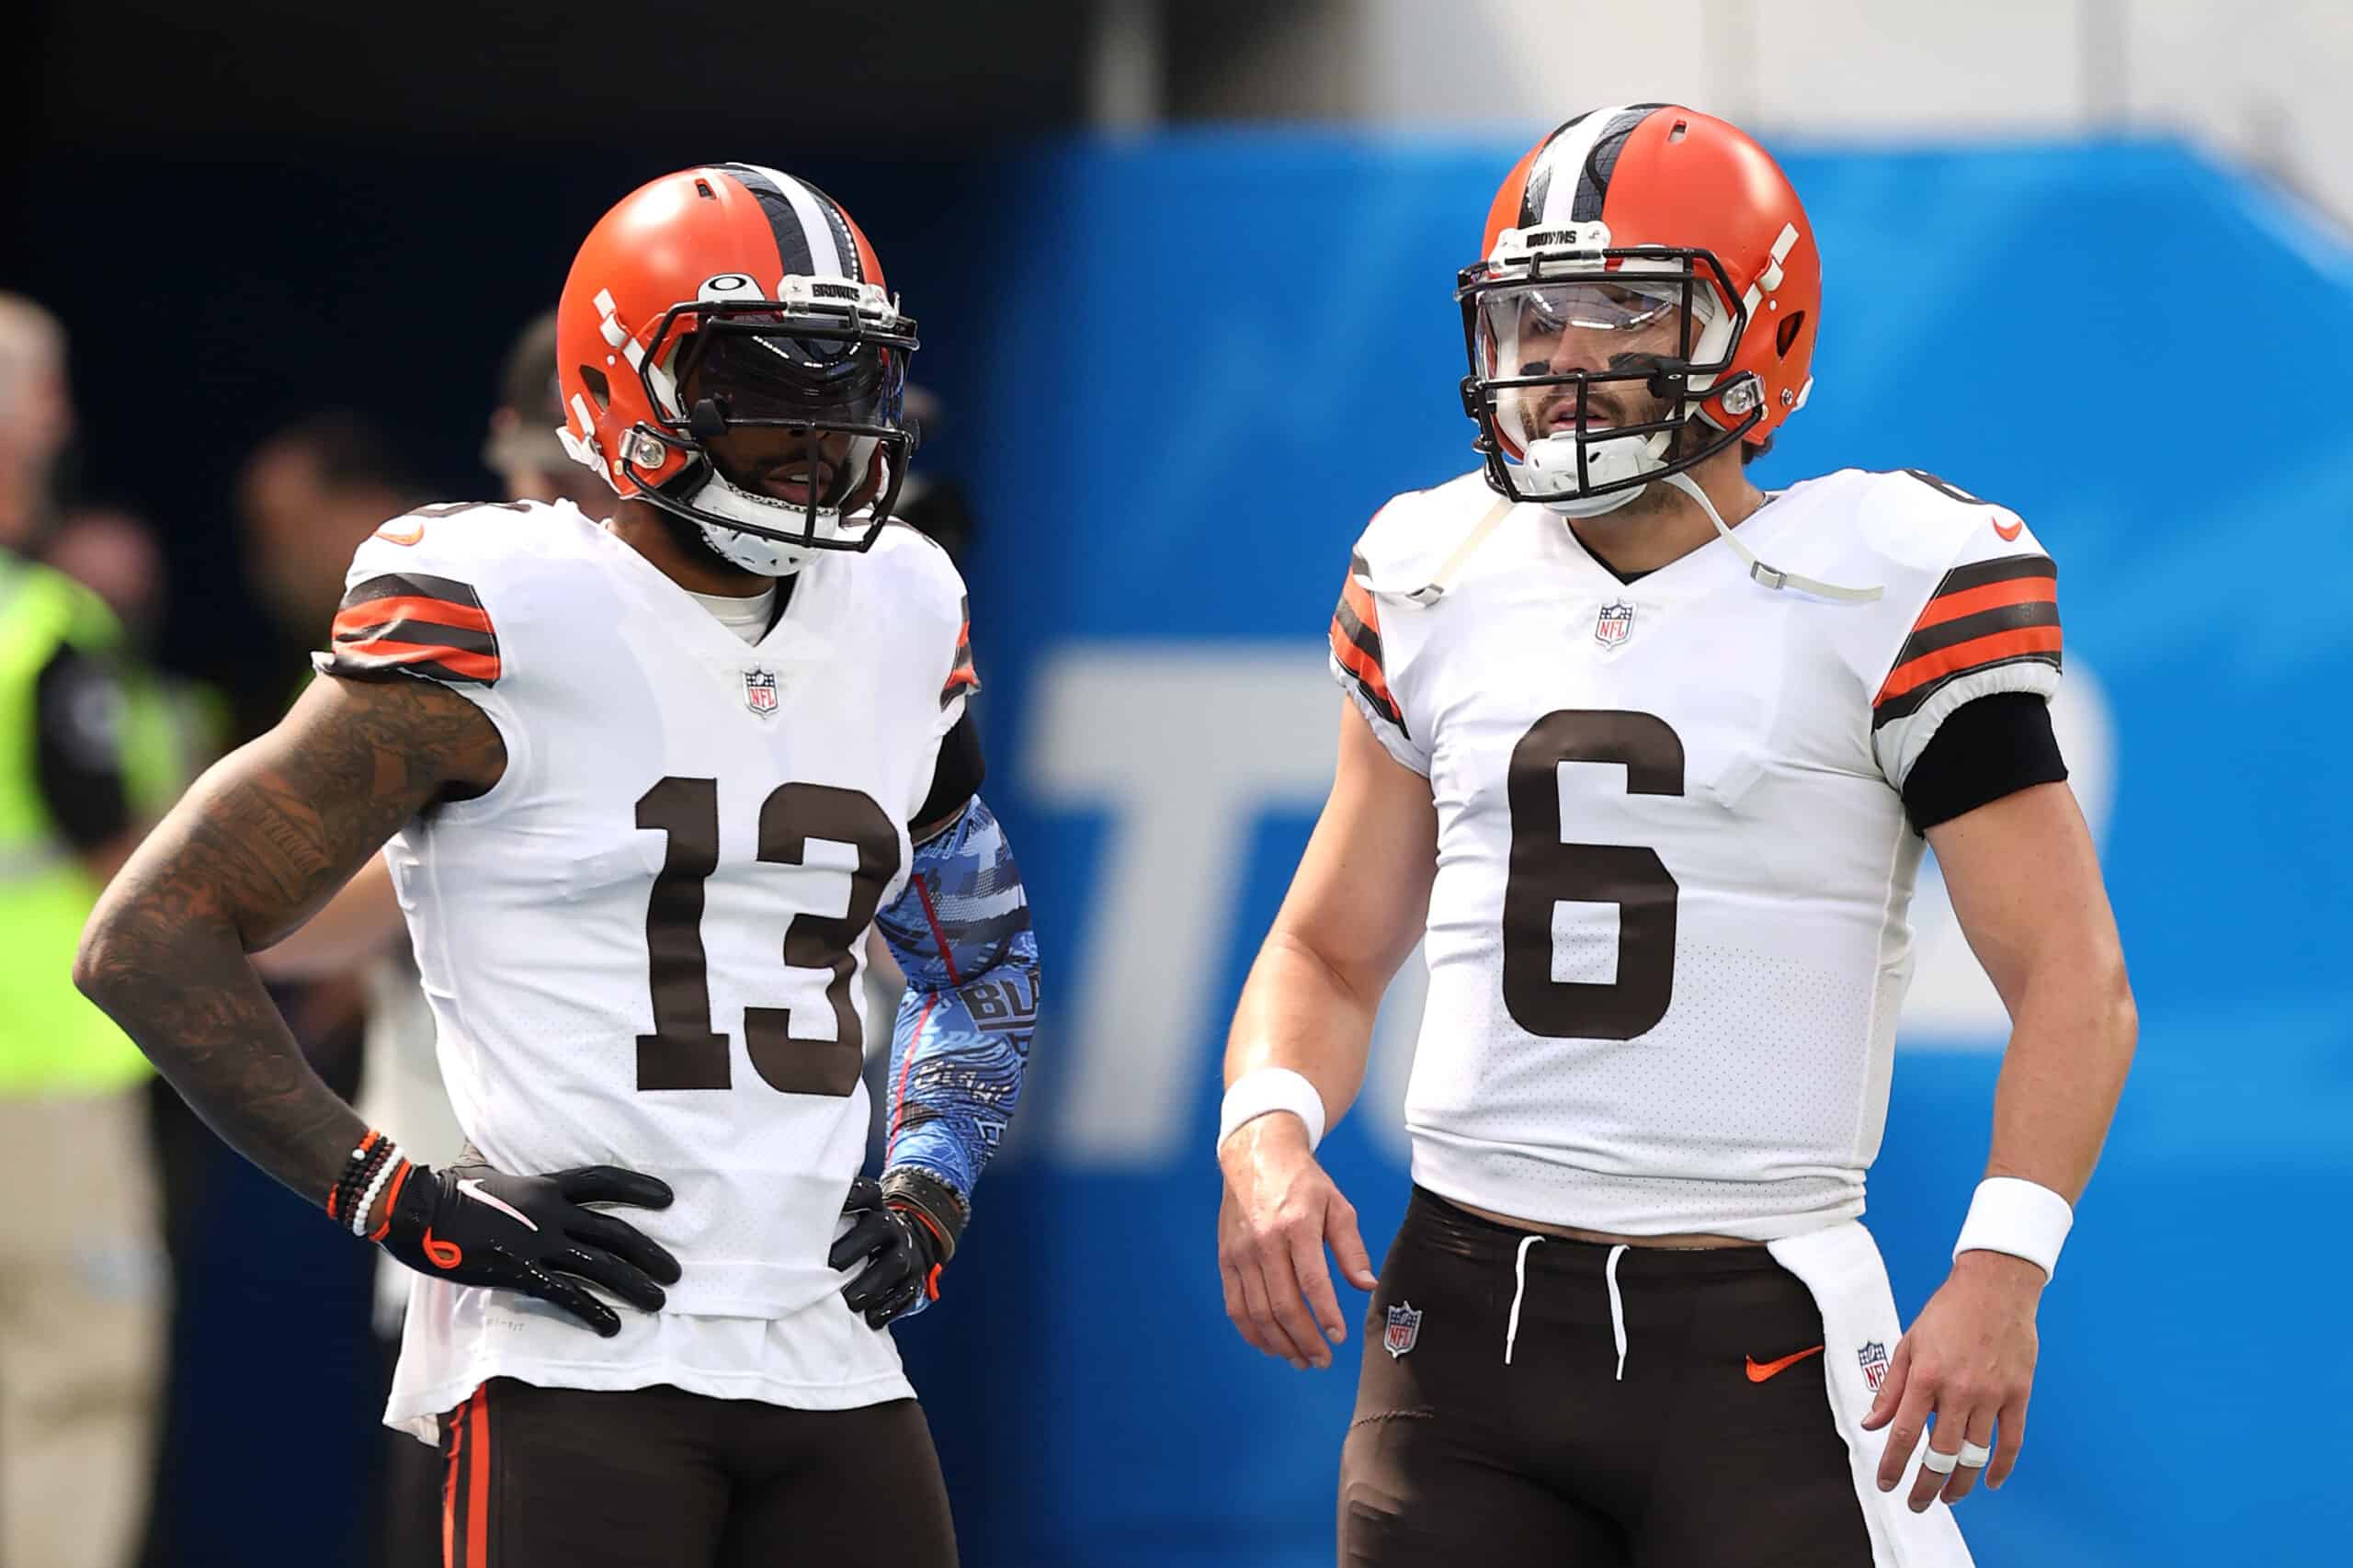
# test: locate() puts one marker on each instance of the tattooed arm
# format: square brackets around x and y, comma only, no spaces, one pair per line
[263,839]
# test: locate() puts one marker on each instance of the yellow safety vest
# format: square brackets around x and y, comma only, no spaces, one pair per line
[52,1041]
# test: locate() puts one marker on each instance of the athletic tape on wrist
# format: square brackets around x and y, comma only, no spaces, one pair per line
[1266,1089]
[2023,1219]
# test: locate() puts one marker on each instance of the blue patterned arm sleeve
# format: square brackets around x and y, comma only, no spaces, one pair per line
[961,933]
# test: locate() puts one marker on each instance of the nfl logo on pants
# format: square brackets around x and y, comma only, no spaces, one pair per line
[1405,1327]
[759,691]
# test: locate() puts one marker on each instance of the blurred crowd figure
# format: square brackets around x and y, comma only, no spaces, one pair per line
[306,498]
[82,1302]
[96,742]
[36,419]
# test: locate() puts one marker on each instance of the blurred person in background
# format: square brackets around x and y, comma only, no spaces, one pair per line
[306,498]
[1654,1063]
[937,507]
[522,448]
[82,1306]
[116,554]
[516,699]
[36,420]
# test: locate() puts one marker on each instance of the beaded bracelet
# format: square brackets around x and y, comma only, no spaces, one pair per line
[364,1174]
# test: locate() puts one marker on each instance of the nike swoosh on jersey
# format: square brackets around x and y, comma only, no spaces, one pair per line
[2009,533]
[1758,1371]
[409,535]
[473,1188]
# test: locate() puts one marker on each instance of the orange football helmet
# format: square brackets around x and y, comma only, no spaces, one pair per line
[736,297]
[1646,250]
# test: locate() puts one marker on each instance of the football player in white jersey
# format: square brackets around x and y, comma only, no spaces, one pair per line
[1645,758]
[646,787]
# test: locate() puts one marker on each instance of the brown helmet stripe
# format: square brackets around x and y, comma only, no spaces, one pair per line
[812,237]
[1571,175]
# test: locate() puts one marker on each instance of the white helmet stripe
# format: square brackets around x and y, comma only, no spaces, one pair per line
[825,257]
[1560,176]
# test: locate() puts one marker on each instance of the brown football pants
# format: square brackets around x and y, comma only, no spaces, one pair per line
[659,1478]
[1685,1459]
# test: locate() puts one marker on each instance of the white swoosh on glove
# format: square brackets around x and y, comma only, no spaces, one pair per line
[471,1187]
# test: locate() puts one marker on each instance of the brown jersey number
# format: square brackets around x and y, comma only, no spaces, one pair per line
[684,1052]
[1546,872]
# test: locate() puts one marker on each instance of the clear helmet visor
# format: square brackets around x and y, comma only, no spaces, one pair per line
[1577,355]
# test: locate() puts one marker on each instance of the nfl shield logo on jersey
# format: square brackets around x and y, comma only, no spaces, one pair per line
[1873,1356]
[1405,1327]
[759,691]
[1613,625]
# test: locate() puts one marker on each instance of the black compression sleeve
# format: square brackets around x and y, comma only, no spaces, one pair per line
[79,705]
[1985,749]
[956,776]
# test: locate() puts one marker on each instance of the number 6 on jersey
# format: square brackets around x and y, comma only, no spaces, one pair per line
[1545,872]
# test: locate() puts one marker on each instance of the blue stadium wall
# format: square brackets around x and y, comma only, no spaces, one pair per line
[1194,366]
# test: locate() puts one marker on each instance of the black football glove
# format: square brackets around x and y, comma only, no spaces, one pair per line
[904,1232]
[480,1226]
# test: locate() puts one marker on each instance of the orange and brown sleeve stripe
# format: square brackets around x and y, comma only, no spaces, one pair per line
[1355,647]
[411,623]
[961,675]
[1983,615]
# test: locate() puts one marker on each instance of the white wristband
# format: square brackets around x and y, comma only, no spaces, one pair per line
[1265,1089]
[2023,1219]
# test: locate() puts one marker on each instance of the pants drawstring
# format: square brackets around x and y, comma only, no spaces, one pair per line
[1520,1288]
[1616,1307]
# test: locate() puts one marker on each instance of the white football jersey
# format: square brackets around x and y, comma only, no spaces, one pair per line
[644,947]
[1669,933]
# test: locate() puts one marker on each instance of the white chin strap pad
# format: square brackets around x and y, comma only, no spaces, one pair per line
[761,557]
[753,552]
[1551,468]
[768,557]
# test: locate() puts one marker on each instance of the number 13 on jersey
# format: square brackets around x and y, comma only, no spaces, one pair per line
[684,1052]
